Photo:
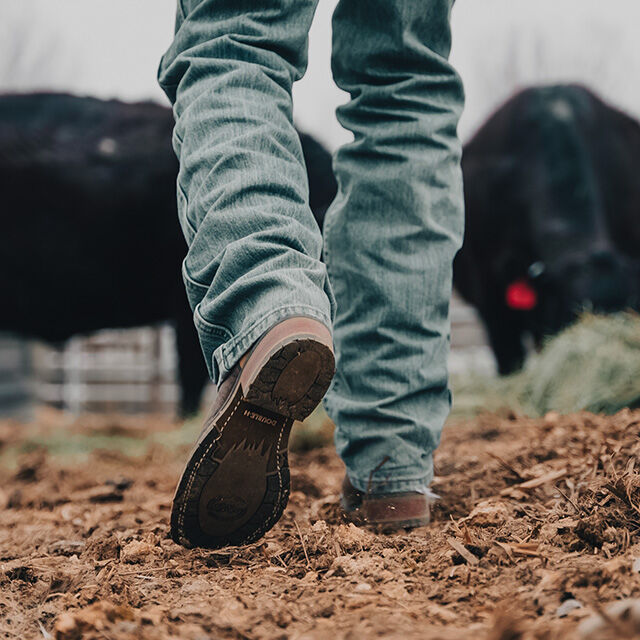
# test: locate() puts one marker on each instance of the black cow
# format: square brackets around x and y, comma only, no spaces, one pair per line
[552,201]
[89,235]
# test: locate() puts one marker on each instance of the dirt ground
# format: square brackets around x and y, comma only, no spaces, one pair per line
[535,517]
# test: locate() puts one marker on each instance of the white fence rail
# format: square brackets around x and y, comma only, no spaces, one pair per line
[131,371]
[16,389]
[134,370]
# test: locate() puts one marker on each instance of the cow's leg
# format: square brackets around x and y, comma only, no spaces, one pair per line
[504,331]
[322,182]
[192,370]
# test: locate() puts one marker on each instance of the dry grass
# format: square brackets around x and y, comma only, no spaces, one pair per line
[592,366]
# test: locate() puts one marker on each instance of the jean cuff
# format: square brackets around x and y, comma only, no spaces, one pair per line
[398,480]
[228,354]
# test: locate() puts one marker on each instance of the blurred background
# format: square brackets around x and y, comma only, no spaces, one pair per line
[111,48]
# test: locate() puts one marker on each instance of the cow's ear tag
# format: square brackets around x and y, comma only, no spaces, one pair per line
[521,296]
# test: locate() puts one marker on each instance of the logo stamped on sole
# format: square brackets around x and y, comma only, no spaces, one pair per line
[227,507]
[252,415]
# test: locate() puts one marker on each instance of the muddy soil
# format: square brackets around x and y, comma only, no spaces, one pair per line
[534,514]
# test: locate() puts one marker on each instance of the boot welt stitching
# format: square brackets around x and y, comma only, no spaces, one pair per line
[199,463]
[277,502]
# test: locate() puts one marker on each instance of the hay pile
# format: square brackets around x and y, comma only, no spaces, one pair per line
[594,365]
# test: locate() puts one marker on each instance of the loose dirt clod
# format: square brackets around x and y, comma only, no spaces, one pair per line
[534,515]
[567,607]
[617,621]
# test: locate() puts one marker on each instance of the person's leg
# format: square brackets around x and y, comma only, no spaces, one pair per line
[261,298]
[254,247]
[390,238]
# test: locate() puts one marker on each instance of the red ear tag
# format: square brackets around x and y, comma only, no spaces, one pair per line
[521,296]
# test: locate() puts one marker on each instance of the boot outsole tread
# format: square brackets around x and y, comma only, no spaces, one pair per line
[264,444]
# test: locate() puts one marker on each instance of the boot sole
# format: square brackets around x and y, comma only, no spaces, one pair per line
[235,485]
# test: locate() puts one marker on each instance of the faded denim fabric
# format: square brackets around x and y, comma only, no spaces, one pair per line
[390,236]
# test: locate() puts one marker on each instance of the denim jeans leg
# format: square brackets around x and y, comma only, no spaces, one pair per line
[254,246]
[390,238]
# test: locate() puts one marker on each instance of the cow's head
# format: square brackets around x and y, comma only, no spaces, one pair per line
[555,291]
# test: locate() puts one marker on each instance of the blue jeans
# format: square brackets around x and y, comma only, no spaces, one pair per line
[389,238]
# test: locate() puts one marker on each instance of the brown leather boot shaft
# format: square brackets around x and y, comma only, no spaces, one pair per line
[390,510]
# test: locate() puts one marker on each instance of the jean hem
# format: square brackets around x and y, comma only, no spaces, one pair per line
[230,353]
[396,482]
